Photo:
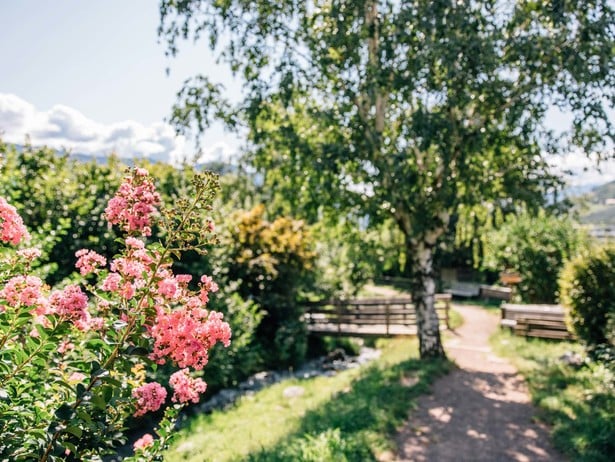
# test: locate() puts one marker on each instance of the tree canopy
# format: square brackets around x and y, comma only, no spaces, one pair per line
[408,110]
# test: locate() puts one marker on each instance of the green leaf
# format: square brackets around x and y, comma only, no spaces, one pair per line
[65,412]
[74,430]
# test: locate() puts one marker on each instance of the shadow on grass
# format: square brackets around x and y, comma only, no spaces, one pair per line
[357,422]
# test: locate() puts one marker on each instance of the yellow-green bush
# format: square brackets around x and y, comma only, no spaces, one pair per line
[588,290]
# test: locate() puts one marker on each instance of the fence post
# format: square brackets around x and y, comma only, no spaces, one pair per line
[338,308]
[387,316]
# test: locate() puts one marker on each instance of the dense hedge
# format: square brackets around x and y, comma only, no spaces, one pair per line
[588,290]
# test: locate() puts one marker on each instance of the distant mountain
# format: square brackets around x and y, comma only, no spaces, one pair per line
[595,208]
[602,193]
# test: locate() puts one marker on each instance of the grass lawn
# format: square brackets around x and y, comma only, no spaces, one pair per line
[347,417]
[579,403]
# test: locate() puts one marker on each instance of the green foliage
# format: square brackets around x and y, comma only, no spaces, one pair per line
[588,291]
[228,366]
[402,110]
[577,403]
[536,247]
[320,345]
[271,263]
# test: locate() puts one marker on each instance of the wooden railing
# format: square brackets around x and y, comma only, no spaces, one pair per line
[370,317]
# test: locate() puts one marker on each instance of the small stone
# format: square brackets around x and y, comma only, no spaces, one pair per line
[571,358]
[293,391]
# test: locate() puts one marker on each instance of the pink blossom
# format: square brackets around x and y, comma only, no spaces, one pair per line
[186,388]
[134,203]
[97,323]
[77,377]
[144,442]
[168,288]
[72,304]
[89,261]
[29,254]
[65,345]
[12,229]
[128,267]
[207,285]
[185,336]
[112,282]
[25,290]
[134,243]
[149,398]
[127,291]
[183,279]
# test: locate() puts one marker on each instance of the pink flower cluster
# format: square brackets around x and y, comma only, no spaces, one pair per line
[12,229]
[89,261]
[30,254]
[144,442]
[71,304]
[207,285]
[128,273]
[150,397]
[25,291]
[186,335]
[134,203]
[186,388]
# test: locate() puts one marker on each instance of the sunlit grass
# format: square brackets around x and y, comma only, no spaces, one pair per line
[349,416]
[579,403]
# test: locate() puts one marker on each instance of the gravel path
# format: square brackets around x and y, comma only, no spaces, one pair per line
[480,411]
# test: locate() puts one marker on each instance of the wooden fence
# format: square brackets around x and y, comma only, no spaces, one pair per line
[370,317]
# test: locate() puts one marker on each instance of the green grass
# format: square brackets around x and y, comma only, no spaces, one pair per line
[455,319]
[383,291]
[350,416]
[579,404]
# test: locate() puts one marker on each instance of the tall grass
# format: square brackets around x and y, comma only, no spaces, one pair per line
[579,403]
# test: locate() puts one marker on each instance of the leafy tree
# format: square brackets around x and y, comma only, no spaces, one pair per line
[404,109]
[536,247]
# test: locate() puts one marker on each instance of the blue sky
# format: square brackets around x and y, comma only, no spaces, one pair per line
[95,66]
[90,76]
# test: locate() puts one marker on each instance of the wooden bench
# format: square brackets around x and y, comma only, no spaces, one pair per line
[464,289]
[546,321]
[495,292]
[370,317]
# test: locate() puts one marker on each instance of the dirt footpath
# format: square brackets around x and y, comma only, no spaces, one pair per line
[480,411]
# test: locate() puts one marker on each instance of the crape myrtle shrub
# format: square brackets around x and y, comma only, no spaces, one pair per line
[272,263]
[62,201]
[74,359]
[588,291]
[536,247]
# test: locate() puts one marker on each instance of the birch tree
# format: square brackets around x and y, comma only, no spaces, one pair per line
[415,110]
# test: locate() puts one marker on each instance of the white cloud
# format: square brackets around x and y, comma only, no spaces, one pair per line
[581,170]
[64,127]
[218,151]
